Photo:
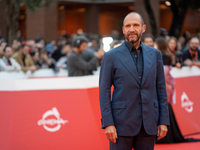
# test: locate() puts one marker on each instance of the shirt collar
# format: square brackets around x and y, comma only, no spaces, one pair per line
[130,47]
[4,59]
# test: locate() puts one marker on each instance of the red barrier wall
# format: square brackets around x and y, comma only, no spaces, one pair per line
[187,107]
[79,109]
[64,113]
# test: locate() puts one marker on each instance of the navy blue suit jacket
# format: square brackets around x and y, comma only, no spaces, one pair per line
[133,102]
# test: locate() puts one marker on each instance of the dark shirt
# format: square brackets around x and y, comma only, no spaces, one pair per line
[166,60]
[57,54]
[23,59]
[187,55]
[77,66]
[137,58]
[87,55]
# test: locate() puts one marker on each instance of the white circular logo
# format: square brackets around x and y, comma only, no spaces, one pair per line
[52,122]
[186,103]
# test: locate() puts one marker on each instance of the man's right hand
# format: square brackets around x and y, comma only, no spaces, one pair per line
[32,68]
[111,133]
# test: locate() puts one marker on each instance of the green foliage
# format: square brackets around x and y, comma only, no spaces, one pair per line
[12,9]
[195,4]
[34,4]
[197,30]
[179,9]
[31,4]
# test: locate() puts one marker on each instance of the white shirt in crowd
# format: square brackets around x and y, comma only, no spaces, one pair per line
[62,62]
[13,67]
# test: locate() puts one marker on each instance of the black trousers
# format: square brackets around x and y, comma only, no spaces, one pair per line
[142,141]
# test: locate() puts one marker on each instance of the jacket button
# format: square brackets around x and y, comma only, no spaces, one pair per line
[139,103]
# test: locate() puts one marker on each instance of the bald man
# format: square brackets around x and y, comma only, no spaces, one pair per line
[137,111]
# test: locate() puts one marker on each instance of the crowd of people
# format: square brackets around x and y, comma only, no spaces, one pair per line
[184,51]
[81,55]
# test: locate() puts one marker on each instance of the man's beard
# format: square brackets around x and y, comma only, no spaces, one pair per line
[194,49]
[131,40]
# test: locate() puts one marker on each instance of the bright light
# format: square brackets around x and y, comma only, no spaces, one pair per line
[167,3]
[89,44]
[107,40]
[80,31]
[131,8]
[61,8]
[106,43]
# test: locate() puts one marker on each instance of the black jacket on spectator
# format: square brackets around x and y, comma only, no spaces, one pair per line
[87,55]
[166,60]
[187,55]
[57,54]
[77,66]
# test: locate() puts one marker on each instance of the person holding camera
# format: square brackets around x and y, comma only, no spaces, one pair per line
[76,64]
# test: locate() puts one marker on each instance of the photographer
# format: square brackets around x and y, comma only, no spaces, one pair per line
[77,66]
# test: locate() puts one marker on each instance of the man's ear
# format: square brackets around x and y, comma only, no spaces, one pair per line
[143,28]
[123,30]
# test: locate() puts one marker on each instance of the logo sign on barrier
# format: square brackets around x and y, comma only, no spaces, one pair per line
[186,103]
[52,122]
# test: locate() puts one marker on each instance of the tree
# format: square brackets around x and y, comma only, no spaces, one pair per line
[151,17]
[12,8]
[179,9]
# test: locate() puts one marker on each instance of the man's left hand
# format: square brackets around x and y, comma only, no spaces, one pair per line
[162,131]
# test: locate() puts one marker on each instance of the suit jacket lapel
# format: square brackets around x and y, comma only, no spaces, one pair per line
[125,58]
[147,60]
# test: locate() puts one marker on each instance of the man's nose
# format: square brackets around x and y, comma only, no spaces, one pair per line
[132,28]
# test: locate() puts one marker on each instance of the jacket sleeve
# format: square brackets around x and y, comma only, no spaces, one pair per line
[16,57]
[161,93]
[105,83]
[81,64]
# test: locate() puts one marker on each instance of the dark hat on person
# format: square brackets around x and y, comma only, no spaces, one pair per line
[79,40]
[163,32]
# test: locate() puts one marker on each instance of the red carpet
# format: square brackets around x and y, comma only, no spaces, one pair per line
[180,146]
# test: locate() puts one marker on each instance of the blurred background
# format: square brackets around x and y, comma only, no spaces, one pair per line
[39,38]
[54,18]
